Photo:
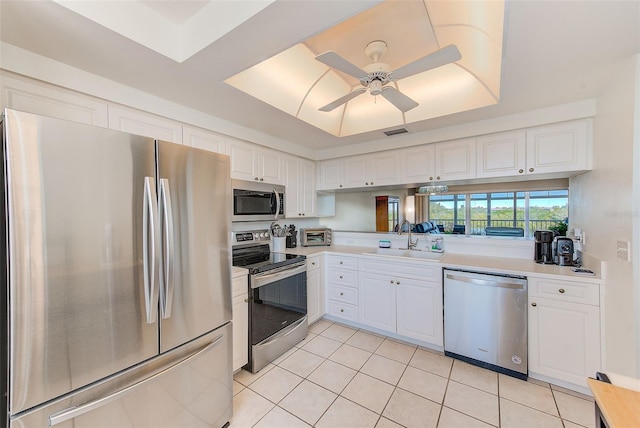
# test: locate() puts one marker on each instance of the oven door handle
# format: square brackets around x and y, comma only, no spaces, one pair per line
[267,278]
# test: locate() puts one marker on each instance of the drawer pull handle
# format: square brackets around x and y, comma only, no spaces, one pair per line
[391,281]
[313,263]
[534,304]
[341,310]
[342,294]
[521,170]
[531,169]
[340,276]
[397,282]
[246,300]
[340,262]
[561,291]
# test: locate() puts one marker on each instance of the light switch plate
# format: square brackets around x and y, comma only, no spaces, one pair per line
[623,251]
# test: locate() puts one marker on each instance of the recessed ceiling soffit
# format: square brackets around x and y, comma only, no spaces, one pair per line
[295,82]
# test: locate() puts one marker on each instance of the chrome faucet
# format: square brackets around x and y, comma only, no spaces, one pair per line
[410,243]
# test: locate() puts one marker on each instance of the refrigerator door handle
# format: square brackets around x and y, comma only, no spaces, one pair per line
[168,253]
[150,253]
[75,411]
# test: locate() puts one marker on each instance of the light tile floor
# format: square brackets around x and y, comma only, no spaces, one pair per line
[340,377]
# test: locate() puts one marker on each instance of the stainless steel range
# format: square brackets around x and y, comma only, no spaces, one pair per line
[277,296]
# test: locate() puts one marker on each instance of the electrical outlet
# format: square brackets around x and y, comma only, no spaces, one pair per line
[623,251]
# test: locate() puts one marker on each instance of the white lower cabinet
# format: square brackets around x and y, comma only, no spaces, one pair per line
[564,330]
[315,308]
[240,302]
[401,297]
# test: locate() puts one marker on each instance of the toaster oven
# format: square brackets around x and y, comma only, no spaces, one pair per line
[312,237]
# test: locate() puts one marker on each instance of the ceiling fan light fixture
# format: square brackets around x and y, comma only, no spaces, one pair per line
[375,87]
[433,190]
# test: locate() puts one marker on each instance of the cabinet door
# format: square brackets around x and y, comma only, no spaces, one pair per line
[292,186]
[559,148]
[417,164]
[307,188]
[420,310]
[203,139]
[145,124]
[564,340]
[244,158]
[48,100]
[384,169]
[501,155]
[355,171]
[330,174]
[314,298]
[377,301]
[456,160]
[269,167]
[240,331]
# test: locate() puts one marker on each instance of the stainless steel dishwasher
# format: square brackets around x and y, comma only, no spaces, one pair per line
[485,320]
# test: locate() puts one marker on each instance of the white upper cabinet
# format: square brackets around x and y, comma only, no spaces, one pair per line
[384,168]
[48,100]
[376,169]
[502,154]
[456,160]
[203,139]
[330,174]
[145,124]
[300,177]
[417,164]
[559,148]
[254,163]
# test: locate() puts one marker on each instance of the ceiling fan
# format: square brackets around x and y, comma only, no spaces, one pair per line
[377,75]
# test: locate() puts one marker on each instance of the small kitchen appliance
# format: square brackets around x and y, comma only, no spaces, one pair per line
[319,236]
[563,251]
[544,247]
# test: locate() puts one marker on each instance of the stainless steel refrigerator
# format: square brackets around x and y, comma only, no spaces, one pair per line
[116,297]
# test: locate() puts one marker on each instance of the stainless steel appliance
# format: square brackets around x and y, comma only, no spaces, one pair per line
[257,201]
[115,279]
[563,251]
[277,296]
[543,247]
[318,236]
[485,320]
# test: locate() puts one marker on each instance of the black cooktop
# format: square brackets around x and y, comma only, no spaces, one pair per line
[259,259]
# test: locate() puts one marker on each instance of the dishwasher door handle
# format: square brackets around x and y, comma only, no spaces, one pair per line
[492,283]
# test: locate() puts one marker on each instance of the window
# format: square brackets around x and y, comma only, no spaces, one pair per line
[504,213]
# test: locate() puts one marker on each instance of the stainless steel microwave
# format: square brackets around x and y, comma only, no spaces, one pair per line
[319,236]
[257,201]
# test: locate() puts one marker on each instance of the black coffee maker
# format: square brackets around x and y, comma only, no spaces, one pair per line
[543,247]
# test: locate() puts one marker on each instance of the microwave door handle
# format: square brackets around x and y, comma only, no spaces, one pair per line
[275,192]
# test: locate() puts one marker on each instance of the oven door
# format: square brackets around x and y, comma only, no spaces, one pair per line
[277,313]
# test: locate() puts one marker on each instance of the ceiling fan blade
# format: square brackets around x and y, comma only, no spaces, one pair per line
[398,99]
[334,60]
[436,59]
[343,100]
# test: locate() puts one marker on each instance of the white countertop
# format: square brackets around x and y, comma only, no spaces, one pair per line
[511,266]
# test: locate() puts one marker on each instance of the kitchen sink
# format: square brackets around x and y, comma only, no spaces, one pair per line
[412,254]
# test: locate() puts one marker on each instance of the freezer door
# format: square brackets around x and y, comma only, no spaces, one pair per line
[74,197]
[188,387]
[195,198]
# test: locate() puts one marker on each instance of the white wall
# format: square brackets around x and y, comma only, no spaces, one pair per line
[601,204]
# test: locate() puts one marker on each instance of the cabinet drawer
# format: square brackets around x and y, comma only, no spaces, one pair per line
[342,262]
[239,285]
[314,263]
[422,270]
[567,291]
[343,277]
[343,294]
[343,310]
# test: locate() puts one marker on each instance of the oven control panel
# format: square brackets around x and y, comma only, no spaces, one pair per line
[250,237]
